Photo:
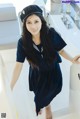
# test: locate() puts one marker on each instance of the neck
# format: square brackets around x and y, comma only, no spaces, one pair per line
[36,36]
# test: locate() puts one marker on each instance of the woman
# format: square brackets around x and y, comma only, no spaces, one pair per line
[41,47]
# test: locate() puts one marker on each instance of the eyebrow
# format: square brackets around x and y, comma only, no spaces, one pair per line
[31,21]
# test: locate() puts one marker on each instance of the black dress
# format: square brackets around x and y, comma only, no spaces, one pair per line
[45,82]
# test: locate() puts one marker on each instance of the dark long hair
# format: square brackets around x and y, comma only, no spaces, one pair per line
[45,41]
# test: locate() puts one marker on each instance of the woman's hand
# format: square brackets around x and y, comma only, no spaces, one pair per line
[64,54]
[11,86]
[76,59]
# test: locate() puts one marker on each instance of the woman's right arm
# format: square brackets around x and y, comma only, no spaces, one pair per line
[16,73]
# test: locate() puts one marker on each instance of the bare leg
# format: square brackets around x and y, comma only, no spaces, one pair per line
[48,112]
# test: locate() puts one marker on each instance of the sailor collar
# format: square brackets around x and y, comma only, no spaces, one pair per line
[35,46]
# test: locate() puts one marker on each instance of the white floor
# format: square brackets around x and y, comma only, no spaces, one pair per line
[69,116]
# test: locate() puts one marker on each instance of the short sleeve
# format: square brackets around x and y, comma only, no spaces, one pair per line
[20,54]
[58,42]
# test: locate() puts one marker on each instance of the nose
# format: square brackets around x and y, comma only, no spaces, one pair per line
[33,26]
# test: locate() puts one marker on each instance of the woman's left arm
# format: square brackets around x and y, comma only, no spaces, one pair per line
[64,54]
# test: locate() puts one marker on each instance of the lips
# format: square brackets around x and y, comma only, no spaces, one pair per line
[34,30]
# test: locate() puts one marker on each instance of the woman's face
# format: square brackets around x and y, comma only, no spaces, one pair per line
[33,24]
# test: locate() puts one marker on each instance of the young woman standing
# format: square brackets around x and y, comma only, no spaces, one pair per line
[41,46]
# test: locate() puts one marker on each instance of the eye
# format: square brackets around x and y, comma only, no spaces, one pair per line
[28,22]
[36,21]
